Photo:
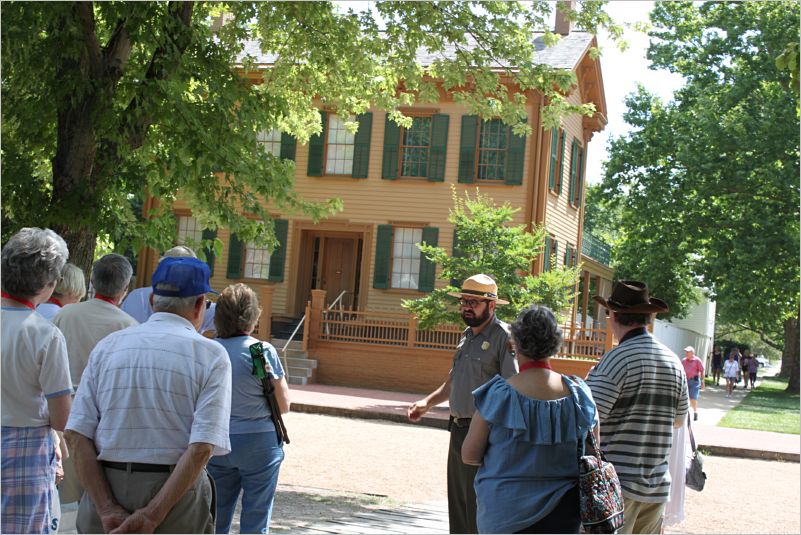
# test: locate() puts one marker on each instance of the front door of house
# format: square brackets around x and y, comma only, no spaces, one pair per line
[339,268]
[330,261]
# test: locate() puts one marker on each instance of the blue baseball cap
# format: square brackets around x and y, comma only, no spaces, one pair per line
[181,277]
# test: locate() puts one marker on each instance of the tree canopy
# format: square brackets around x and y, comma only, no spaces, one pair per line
[487,243]
[106,103]
[707,184]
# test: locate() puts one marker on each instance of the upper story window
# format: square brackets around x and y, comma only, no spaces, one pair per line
[339,148]
[557,161]
[271,141]
[414,148]
[417,151]
[189,231]
[257,262]
[492,148]
[335,151]
[489,151]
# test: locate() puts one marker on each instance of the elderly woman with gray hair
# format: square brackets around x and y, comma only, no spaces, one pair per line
[36,384]
[256,454]
[525,434]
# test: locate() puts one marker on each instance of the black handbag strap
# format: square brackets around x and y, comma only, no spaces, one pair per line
[690,428]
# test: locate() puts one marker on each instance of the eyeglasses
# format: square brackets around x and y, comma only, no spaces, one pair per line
[470,303]
[208,303]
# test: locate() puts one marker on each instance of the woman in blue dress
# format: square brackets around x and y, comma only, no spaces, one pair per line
[525,435]
[256,455]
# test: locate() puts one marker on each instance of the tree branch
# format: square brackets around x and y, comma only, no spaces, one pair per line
[117,51]
[86,18]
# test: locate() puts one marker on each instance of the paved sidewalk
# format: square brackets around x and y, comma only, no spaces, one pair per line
[713,405]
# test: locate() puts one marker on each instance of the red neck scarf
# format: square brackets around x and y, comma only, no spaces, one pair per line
[18,300]
[55,302]
[106,298]
[535,364]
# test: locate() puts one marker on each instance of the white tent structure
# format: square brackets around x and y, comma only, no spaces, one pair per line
[697,329]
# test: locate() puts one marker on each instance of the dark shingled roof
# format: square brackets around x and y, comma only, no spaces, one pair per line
[565,54]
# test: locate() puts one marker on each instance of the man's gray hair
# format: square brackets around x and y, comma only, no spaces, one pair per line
[179,251]
[175,305]
[72,283]
[31,260]
[111,275]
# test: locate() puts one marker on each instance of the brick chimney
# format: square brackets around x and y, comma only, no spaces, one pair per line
[564,26]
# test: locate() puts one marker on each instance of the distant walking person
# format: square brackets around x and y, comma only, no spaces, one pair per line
[152,408]
[717,364]
[484,351]
[731,369]
[694,369]
[640,390]
[70,289]
[35,385]
[753,368]
[744,362]
[251,469]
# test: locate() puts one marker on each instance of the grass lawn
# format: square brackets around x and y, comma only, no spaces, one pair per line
[766,408]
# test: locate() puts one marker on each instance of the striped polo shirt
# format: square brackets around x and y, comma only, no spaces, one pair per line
[639,388]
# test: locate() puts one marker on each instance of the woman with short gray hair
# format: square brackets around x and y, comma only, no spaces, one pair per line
[70,289]
[36,384]
[256,453]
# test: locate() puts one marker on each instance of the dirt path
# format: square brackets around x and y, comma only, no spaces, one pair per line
[337,466]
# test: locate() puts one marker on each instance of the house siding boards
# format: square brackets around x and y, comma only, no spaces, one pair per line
[562,218]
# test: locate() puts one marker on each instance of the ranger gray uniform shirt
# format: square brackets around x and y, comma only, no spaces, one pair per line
[478,359]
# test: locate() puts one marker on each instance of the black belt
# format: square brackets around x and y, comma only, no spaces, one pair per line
[138,467]
[460,422]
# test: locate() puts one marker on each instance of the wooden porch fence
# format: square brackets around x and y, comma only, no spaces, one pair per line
[396,329]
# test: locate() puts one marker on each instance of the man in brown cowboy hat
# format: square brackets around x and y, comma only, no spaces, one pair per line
[640,389]
[484,351]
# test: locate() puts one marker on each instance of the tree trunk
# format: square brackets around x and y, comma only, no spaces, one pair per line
[790,355]
[81,242]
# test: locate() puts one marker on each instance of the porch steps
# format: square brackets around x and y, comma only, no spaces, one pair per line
[300,368]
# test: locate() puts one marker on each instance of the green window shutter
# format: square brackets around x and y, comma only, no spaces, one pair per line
[561,169]
[555,252]
[428,269]
[383,256]
[579,175]
[554,158]
[235,250]
[571,195]
[439,147]
[278,256]
[468,145]
[209,251]
[288,144]
[389,164]
[546,265]
[316,149]
[566,258]
[361,145]
[515,157]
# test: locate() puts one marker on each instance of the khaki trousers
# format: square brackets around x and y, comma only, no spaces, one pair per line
[641,517]
[194,512]
[70,488]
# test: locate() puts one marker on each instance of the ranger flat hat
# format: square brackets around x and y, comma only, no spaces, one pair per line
[480,286]
[631,297]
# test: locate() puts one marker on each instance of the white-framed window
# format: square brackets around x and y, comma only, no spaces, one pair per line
[189,231]
[339,153]
[257,262]
[271,141]
[406,257]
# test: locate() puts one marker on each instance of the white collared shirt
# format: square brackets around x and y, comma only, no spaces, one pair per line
[151,390]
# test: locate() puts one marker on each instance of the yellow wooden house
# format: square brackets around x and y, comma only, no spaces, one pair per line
[395,184]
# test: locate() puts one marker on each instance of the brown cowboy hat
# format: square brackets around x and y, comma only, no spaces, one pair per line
[631,297]
[480,286]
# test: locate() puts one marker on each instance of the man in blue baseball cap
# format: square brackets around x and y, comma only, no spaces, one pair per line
[152,407]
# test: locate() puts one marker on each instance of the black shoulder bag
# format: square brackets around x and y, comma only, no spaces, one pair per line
[259,370]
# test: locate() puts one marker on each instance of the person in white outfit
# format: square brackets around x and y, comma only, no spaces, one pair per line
[70,289]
